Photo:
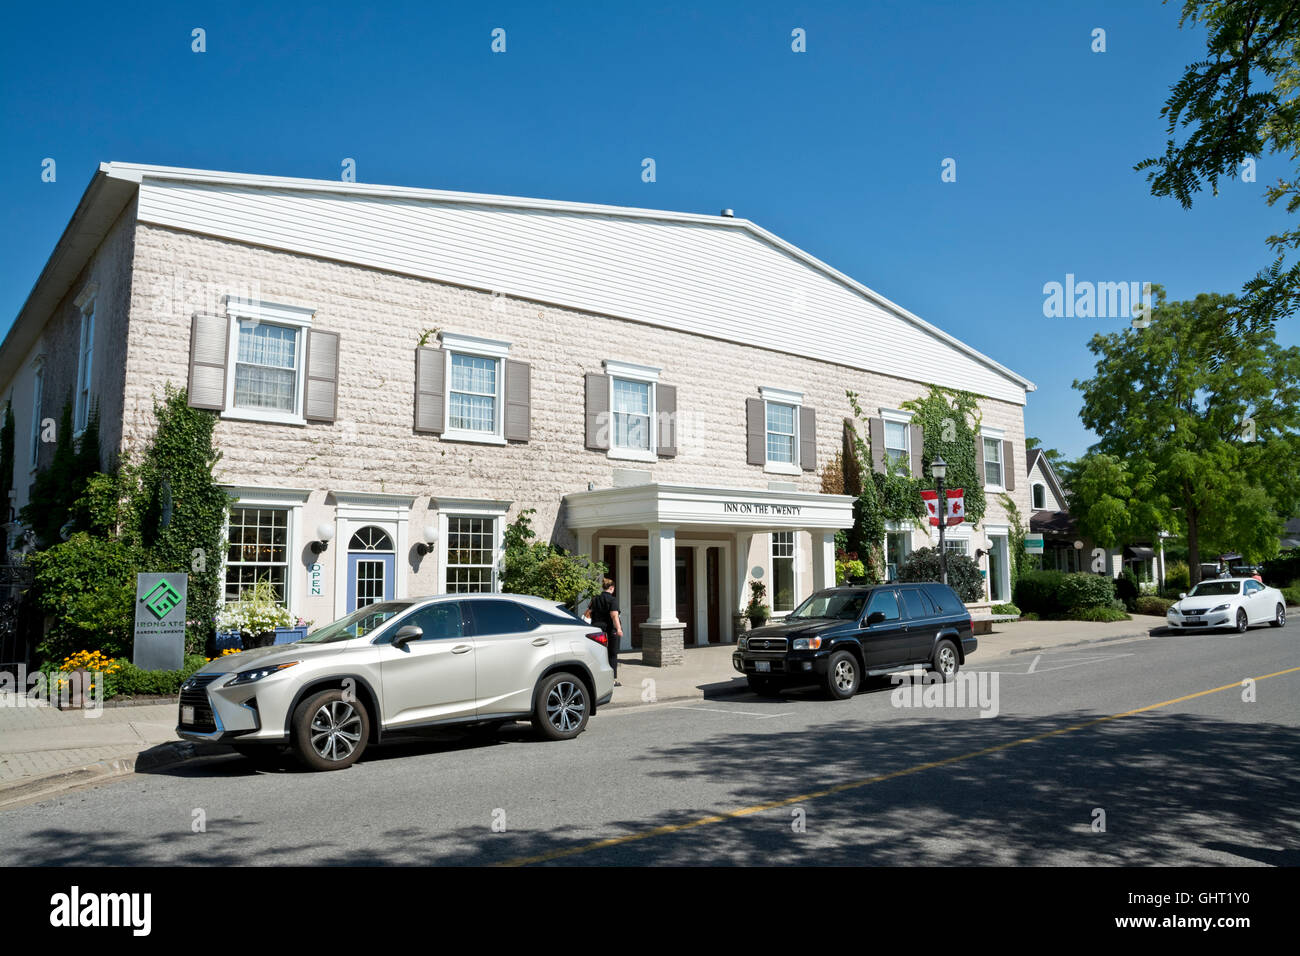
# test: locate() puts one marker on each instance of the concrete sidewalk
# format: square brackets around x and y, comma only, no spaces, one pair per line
[44,750]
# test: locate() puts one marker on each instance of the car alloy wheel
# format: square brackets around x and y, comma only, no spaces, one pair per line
[1279,619]
[335,730]
[945,661]
[566,706]
[844,676]
[1242,621]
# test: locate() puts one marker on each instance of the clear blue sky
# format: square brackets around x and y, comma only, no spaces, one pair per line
[837,150]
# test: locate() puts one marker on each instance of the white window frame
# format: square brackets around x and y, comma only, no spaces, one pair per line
[899,417]
[448,508]
[782,396]
[82,397]
[896,527]
[289,499]
[995,435]
[267,313]
[473,346]
[1034,487]
[38,395]
[642,375]
[793,558]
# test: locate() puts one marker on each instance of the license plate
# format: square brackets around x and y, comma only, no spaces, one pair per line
[187,715]
[762,666]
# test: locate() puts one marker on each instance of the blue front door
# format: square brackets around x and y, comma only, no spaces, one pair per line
[370,578]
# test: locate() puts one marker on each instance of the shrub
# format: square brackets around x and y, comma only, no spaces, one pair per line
[1157,606]
[1281,569]
[1178,577]
[543,570]
[1126,588]
[1101,614]
[1292,595]
[1053,593]
[848,567]
[1005,609]
[131,681]
[87,587]
[963,573]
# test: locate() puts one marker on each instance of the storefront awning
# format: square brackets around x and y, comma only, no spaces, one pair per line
[1139,554]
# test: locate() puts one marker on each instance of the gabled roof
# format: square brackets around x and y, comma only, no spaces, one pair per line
[1033,458]
[724,277]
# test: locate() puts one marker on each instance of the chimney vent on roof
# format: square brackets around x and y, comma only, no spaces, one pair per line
[728,213]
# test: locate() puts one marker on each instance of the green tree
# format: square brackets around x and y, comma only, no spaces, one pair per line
[1240,102]
[1203,423]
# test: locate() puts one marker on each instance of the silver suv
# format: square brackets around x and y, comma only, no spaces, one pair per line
[472,659]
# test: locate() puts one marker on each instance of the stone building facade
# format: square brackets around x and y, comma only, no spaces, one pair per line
[399,412]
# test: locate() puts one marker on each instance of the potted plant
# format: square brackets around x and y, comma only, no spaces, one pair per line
[255,616]
[757,610]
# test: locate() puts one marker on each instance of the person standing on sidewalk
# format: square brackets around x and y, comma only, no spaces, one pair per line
[603,612]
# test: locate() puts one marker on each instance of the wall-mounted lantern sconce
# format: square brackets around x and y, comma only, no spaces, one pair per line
[430,540]
[326,533]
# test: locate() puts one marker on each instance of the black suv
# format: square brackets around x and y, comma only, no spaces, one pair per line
[840,634]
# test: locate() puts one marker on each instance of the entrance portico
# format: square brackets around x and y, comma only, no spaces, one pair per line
[664,539]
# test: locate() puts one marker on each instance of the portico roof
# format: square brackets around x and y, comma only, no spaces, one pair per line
[736,509]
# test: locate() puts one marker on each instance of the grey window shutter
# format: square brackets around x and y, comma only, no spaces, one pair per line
[808,438]
[209,336]
[321,401]
[979,460]
[876,427]
[598,423]
[430,390]
[666,441]
[518,400]
[916,438]
[755,431]
[1008,466]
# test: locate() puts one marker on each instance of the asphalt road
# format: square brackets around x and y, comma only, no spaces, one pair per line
[1201,776]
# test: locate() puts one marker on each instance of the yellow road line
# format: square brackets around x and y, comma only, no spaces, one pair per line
[865,782]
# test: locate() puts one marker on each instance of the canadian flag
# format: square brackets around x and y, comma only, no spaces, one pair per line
[956,506]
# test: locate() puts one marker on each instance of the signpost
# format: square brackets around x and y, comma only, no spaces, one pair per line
[1034,544]
[160,621]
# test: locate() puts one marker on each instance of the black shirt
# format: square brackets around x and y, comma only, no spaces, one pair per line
[601,606]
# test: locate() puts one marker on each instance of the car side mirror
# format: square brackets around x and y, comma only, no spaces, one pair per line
[1183,595]
[875,617]
[406,634]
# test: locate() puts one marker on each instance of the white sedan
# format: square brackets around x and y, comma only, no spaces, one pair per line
[1228,602]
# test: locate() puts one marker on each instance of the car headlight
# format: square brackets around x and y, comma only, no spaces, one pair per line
[807,643]
[257,673]
[744,643]
[1221,607]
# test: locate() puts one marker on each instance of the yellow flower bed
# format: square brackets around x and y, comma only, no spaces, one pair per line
[88,661]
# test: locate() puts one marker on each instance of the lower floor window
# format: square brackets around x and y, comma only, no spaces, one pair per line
[471,555]
[258,550]
[960,545]
[898,545]
[782,571]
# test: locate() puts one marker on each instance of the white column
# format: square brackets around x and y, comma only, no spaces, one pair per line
[584,543]
[701,585]
[823,559]
[623,590]
[663,575]
[743,542]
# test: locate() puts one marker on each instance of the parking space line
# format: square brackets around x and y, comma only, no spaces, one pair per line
[868,781]
[741,713]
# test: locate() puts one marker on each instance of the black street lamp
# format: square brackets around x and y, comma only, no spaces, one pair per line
[939,470]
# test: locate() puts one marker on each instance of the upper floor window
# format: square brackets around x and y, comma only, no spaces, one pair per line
[781,439]
[781,433]
[85,360]
[476,396]
[896,444]
[633,410]
[993,462]
[1039,497]
[473,396]
[267,353]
